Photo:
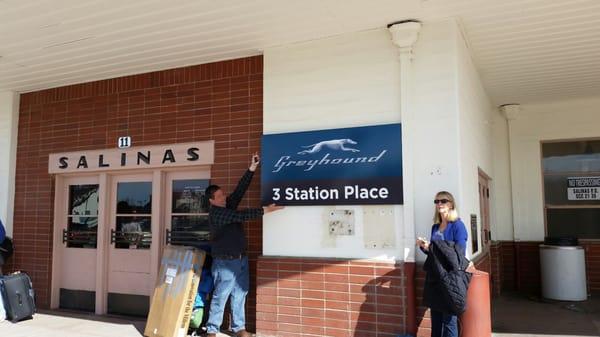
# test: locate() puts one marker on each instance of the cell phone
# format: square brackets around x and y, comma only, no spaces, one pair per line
[423,239]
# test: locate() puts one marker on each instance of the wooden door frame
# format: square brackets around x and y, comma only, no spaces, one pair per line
[484,210]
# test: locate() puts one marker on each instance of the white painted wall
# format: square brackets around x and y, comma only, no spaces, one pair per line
[454,116]
[475,143]
[436,119]
[501,203]
[9,118]
[353,80]
[343,81]
[537,122]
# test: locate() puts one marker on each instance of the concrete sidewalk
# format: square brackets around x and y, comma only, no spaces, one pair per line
[56,324]
[530,316]
[513,315]
[67,324]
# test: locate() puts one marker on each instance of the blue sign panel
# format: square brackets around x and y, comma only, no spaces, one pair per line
[350,166]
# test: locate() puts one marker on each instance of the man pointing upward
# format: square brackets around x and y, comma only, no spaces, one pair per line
[230,263]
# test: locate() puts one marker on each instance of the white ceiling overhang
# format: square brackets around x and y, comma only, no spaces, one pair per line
[525,50]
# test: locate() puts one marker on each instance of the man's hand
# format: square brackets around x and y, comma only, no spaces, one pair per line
[254,162]
[272,208]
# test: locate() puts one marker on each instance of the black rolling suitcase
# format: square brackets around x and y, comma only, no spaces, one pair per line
[17,293]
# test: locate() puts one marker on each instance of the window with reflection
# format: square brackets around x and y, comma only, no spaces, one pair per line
[82,226]
[134,215]
[571,172]
[189,212]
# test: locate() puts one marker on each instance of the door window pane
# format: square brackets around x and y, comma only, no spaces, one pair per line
[83,199]
[583,223]
[188,196]
[189,218]
[556,191]
[133,232]
[134,198]
[82,220]
[189,230]
[572,188]
[193,223]
[577,156]
[82,232]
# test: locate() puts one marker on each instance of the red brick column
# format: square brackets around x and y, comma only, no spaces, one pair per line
[592,262]
[496,267]
[329,297]
[423,315]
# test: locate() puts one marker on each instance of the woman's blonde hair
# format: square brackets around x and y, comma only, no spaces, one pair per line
[452,215]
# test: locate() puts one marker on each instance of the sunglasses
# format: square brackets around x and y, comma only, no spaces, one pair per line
[442,201]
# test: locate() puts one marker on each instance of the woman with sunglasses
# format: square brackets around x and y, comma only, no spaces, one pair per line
[447,226]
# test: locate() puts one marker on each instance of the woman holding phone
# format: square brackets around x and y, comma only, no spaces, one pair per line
[447,226]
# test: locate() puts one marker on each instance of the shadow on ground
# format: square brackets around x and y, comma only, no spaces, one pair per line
[521,314]
[138,322]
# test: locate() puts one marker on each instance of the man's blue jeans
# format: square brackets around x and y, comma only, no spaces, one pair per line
[443,325]
[231,277]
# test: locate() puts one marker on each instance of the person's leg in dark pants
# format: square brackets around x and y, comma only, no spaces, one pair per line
[238,296]
[449,325]
[443,325]
[436,323]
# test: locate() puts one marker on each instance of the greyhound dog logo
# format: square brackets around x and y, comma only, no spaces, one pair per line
[333,144]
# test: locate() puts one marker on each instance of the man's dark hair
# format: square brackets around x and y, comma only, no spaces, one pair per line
[209,193]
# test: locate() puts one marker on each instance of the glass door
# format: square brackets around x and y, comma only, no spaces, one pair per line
[77,254]
[129,268]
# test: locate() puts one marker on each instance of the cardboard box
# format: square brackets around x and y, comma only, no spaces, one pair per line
[173,298]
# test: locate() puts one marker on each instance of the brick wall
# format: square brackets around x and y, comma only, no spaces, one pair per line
[520,266]
[520,269]
[592,257]
[329,297]
[507,269]
[423,315]
[220,101]
[495,268]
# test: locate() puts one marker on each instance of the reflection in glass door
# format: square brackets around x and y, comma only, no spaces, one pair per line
[134,215]
[187,213]
[129,279]
[82,224]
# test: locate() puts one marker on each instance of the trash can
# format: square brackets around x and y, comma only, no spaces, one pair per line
[562,265]
[476,321]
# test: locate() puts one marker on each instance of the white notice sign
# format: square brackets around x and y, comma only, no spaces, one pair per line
[583,188]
